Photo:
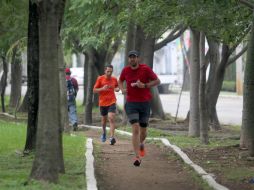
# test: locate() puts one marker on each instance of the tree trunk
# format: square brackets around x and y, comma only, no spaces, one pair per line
[214,61]
[217,72]
[91,80]
[46,162]
[156,105]
[63,111]
[3,82]
[16,72]
[147,50]
[85,77]
[247,131]
[24,105]
[32,93]
[202,95]
[194,129]
[186,55]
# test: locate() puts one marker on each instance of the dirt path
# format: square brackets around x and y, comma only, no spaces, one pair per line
[159,170]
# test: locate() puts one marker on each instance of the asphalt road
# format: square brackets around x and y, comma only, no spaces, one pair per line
[229,106]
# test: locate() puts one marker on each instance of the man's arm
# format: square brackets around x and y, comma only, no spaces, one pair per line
[97,90]
[149,84]
[120,85]
[152,83]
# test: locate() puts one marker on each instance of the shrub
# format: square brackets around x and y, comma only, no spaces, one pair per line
[229,86]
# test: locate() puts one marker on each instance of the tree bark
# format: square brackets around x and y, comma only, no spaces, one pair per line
[247,130]
[91,80]
[194,125]
[16,72]
[215,81]
[46,162]
[85,77]
[186,55]
[63,111]
[24,105]
[202,95]
[32,93]
[3,82]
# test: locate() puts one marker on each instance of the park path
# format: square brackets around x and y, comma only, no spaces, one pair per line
[159,170]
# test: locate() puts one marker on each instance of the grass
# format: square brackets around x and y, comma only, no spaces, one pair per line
[15,169]
[183,141]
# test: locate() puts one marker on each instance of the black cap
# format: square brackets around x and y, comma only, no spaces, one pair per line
[133,52]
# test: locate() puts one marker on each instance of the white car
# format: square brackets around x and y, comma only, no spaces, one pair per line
[78,74]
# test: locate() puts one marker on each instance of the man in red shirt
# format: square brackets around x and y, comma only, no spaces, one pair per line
[106,85]
[139,79]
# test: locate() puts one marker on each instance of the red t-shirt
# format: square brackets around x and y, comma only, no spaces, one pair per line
[142,73]
[106,97]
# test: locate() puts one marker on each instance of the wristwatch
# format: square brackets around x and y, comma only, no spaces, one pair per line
[145,85]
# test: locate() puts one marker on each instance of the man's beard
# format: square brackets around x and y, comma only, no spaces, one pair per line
[133,64]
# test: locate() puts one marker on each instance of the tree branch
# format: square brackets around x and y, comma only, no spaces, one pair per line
[175,33]
[232,49]
[234,58]
[247,3]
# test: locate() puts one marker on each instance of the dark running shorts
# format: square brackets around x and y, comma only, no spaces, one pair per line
[138,112]
[105,109]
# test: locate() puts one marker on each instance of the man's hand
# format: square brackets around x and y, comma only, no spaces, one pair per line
[105,87]
[138,84]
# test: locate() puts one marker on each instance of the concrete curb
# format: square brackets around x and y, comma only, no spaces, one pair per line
[205,176]
[91,182]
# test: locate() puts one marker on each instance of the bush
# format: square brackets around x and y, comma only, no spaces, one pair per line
[229,86]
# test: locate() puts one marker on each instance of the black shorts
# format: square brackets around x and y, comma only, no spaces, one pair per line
[105,109]
[138,112]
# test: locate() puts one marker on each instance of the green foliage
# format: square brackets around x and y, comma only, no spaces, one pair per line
[225,21]
[229,86]
[13,23]
[15,169]
[90,24]
[156,17]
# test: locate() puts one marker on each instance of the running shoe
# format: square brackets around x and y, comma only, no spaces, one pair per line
[75,126]
[112,140]
[142,151]
[103,137]
[137,161]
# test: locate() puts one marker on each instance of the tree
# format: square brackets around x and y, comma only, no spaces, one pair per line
[247,132]
[33,76]
[47,159]
[202,94]
[194,123]
[16,73]
[92,29]
[12,18]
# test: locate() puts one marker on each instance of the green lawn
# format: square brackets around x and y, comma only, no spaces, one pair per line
[15,169]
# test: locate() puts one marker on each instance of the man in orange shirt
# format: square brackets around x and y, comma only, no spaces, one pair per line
[106,85]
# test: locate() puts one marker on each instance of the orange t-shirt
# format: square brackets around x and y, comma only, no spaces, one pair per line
[106,97]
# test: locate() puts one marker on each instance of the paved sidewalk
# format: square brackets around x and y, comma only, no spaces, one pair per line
[160,169]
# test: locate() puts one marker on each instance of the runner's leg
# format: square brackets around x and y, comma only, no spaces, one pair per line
[135,138]
[111,118]
[104,123]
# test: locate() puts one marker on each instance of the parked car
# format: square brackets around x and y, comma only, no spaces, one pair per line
[78,73]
